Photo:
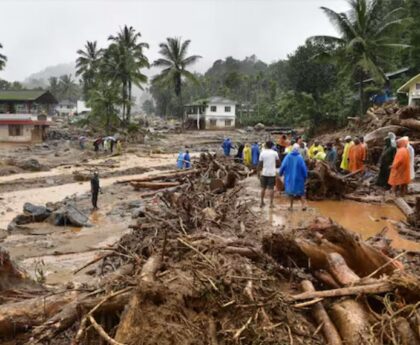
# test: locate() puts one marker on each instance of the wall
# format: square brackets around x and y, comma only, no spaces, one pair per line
[26,137]
[220,122]
[414,93]
[220,110]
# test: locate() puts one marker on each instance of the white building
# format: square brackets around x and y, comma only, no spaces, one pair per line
[412,90]
[81,108]
[212,113]
[65,108]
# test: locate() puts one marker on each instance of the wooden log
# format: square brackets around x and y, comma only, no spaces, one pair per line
[371,115]
[172,174]
[129,319]
[405,208]
[352,321]
[380,287]
[411,123]
[321,317]
[340,271]
[326,278]
[376,137]
[153,185]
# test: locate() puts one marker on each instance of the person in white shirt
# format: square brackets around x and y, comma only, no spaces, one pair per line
[268,162]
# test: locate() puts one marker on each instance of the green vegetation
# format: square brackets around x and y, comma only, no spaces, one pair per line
[175,61]
[87,66]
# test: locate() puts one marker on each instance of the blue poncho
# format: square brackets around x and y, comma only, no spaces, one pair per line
[295,173]
[255,153]
[227,146]
[187,160]
[180,161]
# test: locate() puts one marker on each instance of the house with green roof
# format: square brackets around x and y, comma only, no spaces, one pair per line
[24,115]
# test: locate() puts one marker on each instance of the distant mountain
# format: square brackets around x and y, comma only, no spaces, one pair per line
[40,79]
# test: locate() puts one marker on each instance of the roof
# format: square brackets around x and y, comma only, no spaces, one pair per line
[212,100]
[406,87]
[27,95]
[390,75]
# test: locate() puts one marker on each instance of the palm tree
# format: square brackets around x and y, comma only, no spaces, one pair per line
[175,63]
[54,86]
[3,59]
[123,63]
[87,65]
[365,42]
[68,88]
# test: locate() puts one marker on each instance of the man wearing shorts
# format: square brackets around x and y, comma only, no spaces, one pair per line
[269,160]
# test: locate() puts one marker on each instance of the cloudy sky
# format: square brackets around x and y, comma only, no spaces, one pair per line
[40,33]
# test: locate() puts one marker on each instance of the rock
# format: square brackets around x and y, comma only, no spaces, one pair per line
[31,165]
[138,212]
[69,215]
[37,213]
[135,204]
[259,126]
[79,176]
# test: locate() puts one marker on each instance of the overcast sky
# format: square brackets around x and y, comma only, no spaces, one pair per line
[39,33]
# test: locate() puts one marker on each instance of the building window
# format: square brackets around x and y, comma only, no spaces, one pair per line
[15,130]
[227,109]
[418,86]
[213,123]
[213,108]
[228,123]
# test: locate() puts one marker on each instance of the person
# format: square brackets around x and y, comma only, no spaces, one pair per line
[82,140]
[268,161]
[289,148]
[365,148]
[356,156]
[240,154]
[283,143]
[111,144]
[315,147]
[319,155]
[180,160]
[187,160]
[303,150]
[106,144]
[412,156]
[385,162]
[345,158]
[247,155]
[331,157]
[96,144]
[393,139]
[227,146]
[399,177]
[119,147]
[94,188]
[255,154]
[294,170]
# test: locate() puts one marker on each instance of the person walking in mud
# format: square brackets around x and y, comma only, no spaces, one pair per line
[268,161]
[94,188]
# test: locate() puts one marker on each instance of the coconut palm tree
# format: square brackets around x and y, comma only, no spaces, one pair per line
[3,59]
[365,40]
[175,61]
[68,88]
[87,66]
[124,60]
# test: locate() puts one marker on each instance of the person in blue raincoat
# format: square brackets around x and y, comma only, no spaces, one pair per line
[187,160]
[180,160]
[255,154]
[294,170]
[227,146]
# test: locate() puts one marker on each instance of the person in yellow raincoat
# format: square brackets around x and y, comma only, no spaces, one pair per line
[316,146]
[345,159]
[247,155]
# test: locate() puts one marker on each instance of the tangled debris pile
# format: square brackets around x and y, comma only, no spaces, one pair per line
[194,271]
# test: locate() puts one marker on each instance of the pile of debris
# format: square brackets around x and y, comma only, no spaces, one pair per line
[194,271]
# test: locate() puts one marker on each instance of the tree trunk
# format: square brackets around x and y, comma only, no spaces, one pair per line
[129,102]
[361,95]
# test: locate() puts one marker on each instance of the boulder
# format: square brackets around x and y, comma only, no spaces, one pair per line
[31,165]
[69,215]
[259,127]
[37,213]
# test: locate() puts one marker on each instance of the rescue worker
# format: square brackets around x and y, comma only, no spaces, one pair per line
[247,155]
[94,188]
[187,160]
[345,158]
[356,156]
[399,177]
[316,146]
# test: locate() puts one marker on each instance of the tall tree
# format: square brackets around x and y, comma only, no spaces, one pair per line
[68,88]
[175,61]
[54,87]
[87,66]
[3,59]
[365,42]
[124,60]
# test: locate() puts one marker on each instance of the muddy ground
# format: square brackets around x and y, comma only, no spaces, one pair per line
[52,253]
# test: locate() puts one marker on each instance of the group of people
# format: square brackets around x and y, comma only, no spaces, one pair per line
[108,143]
[184,160]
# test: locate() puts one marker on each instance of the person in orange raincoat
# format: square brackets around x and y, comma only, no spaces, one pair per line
[399,177]
[356,156]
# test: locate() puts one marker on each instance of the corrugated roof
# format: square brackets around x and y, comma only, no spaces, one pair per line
[213,100]
[25,95]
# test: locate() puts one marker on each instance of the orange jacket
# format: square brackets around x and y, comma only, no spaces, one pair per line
[356,157]
[400,169]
